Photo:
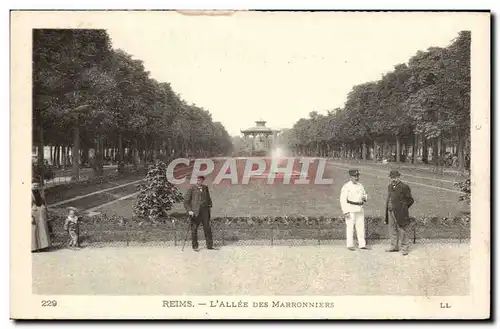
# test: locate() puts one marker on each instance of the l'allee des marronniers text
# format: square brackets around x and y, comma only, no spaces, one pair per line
[245,304]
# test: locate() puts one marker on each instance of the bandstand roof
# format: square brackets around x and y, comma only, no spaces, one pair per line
[260,127]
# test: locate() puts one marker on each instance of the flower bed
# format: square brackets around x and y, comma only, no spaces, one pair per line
[103,228]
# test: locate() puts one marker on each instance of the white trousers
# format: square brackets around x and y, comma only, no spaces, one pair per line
[355,219]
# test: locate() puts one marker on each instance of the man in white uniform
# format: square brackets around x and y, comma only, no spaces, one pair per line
[352,198]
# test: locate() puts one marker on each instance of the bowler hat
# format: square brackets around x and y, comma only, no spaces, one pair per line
[353,172]
[394,173]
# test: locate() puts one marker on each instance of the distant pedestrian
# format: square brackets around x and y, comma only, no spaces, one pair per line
[352,198]
[72,226]
[399,200]
[198,203]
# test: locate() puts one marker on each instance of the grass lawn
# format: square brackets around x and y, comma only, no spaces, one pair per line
[449,172]
[261,199]
[64,192]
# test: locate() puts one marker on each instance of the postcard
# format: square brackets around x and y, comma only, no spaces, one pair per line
[250,165]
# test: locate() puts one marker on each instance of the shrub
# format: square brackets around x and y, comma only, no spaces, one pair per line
[157,194]
[464,187]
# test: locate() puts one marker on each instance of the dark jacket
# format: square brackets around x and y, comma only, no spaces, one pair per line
[194,199]
[401,199]
[37,198]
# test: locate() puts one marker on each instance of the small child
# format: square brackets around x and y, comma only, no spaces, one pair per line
[71,225]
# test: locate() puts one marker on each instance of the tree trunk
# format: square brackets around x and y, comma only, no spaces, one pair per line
[52,153]
[121,150]
[363,150]
[63,157]
[76,152]
[414,148]
[163,149]
[54,150]
[184,152]
[85,154]
[58,156]
[461,153]
[146,153]
[40,156]
[425,150]
[398,150]
[99,156]
[155,150]
[54,156]
[385,150]
[135,154]
[67,157]
[168,148]
[440,146]
[408,146]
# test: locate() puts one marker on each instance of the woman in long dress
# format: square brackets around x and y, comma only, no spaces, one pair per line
[40,235]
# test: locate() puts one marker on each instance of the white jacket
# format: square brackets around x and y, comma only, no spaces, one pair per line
[352,192]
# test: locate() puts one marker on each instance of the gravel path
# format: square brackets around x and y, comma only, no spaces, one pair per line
[430,269]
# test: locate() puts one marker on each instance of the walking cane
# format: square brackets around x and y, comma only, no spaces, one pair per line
[187,232]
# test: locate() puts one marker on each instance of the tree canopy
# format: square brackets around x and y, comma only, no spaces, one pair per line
[424,103]
[88,95]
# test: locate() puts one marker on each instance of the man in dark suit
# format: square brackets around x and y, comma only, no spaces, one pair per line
[197,202]
[399,199]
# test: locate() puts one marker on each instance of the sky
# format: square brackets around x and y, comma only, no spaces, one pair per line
[277,67]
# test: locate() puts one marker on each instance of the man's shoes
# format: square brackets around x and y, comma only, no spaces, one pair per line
[212,248]
[364,248]
[196,249]
[351,248]
[405,252]
[392,250]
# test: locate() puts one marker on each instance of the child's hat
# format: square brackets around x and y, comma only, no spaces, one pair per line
[72,208]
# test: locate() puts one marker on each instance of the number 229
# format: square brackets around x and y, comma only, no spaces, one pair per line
[49,303]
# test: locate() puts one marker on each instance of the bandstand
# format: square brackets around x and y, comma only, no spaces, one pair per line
[259,137]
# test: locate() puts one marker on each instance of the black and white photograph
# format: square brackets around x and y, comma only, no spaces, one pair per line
[250,164]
